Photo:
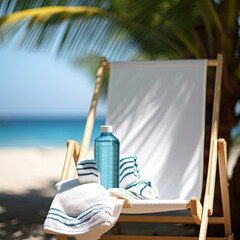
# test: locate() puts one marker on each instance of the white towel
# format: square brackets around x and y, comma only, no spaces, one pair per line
[124,194]
[87,171]
[86,210]
[128,170]
[130,179]
[144,189]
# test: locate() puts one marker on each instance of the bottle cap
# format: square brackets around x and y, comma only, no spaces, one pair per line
[106,128]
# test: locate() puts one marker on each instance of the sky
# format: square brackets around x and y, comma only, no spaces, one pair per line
[37,85]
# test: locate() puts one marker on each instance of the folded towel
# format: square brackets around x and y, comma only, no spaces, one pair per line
[144,189]
[128,170]
[130,179]
[124,194]
[87,171]
[86,211]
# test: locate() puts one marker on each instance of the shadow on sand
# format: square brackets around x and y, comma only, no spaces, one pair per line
[22,215]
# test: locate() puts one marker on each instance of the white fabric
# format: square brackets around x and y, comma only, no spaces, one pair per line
[130,179]
[87,171]
[157,110]
[128,170]
[124,194]
[144,189]
[85,210]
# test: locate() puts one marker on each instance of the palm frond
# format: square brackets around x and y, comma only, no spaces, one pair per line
[111,27]
[45,13]
[45,20]
[214,15]
[83,23]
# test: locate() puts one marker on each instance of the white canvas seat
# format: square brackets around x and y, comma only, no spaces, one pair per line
[157,110]
[148,105]
[159,114]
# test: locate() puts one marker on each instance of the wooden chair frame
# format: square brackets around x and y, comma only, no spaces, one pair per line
[200,214]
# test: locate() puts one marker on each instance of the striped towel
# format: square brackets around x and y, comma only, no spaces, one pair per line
[87,171]
[128,170]
[86,210]
[124,194]
[130,179]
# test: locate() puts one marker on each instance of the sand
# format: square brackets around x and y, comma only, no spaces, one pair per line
[27,188]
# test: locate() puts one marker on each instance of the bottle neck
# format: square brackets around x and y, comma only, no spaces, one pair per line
[106,133]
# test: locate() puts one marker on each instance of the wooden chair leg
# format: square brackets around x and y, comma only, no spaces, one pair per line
[73,151]
[222,159]
[61,237]
[230,237]
[204,222]
[196,210]
[68,160]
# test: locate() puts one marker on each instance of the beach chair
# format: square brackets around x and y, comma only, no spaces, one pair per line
[157,110]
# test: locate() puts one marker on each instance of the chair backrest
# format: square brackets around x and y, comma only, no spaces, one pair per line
[157,110]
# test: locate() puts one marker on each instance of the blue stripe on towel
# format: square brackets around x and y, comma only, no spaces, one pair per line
[143,189]
[85,174]
[127,174]
[124,164]
[71,225]
[78,217]
[94,168]
[140,182]
[128,158]
[85,163]
[128,193]
[93,206]
[125,158]
[125,170]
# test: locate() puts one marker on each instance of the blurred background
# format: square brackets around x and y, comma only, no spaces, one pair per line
[49,54]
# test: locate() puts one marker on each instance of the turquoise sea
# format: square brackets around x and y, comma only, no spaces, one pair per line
[44,133]
[52,133]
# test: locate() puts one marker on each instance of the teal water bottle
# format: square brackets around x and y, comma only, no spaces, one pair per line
[106,154]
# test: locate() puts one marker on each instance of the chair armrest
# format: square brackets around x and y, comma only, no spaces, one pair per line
[73,151]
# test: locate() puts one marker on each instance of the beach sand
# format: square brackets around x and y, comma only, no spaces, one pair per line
[27,188]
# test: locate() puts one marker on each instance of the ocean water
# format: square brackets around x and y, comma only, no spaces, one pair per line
[53,133]
[44,133]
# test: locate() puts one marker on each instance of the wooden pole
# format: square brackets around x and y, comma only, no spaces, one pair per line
[68,159]
[214,132]
[92,111]
[222,159]
[204,223]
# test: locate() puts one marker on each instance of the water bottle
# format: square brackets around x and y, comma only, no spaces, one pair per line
[106,154]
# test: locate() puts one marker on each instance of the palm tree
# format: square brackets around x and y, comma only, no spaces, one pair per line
[140,29]
[122,30]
